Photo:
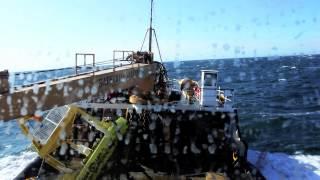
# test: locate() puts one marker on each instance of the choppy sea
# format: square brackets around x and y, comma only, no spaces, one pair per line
[278,101]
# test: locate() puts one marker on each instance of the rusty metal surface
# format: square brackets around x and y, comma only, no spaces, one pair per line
[44,96]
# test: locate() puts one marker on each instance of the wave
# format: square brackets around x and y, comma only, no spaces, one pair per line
[12,165]
[283,166]
[282,79]
[264,114]
[289,67]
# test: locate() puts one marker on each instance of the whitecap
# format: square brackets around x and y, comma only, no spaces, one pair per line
[283,166]
[12,165]
[282,79]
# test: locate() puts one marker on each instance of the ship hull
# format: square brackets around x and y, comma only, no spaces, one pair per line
[42,96]
[179,143]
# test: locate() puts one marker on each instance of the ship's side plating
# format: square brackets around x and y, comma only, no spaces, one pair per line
[183,142]
[167,142]
[42,96]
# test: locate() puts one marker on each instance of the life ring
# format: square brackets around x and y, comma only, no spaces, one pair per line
[188,87]
[187,84]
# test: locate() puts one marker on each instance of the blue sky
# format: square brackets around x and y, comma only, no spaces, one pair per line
[39,34]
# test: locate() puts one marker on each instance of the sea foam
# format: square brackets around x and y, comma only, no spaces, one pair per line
[12,165]
[283,166]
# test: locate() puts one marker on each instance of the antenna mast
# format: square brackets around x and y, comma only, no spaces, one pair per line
[150,29]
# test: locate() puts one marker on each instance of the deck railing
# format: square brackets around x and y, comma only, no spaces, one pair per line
[84,55]
[87,65]
[120,58]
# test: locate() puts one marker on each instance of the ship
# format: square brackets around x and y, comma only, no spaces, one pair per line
[129,121]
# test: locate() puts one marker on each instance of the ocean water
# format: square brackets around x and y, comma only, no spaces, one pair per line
[278,100]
